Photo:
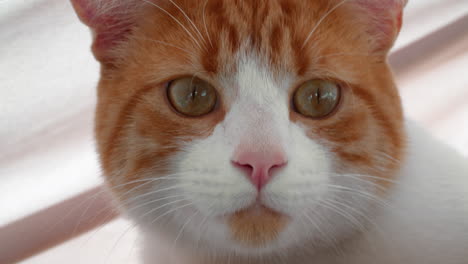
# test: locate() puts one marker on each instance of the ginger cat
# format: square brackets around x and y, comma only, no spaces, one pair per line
[269,131]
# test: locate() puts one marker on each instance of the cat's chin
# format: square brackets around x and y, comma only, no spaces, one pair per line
[256,225]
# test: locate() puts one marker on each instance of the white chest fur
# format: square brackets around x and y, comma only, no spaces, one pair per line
[427,220]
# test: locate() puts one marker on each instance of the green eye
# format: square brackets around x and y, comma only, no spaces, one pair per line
[192,96]
[317,98]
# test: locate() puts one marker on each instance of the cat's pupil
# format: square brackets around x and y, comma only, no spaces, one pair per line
[317,95]
[193,94]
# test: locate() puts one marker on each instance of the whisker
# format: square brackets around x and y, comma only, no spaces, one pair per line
[334,242]
[343,54]
[135,225]
[80,219]
[153,201]
[146,181]
[204,23]
[189,20]
[377,178]
[358,212]
[364,181]
[170,211]
[110,216]
[320,22]
[90,199]
[157,191]
[182,229]
[96,231]
[363,215]
[343,213]
[363,194]
[322,234]
[110,207]
[389,157]
[169,45]
[114,246]
[175,19]
[161,206]
[203,221]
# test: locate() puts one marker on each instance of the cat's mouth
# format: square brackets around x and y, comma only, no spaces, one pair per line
[258,209]
[256,225]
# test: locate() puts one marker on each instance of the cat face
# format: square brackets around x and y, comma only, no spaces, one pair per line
[248,126]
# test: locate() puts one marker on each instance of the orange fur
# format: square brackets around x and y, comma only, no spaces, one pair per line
[256,226]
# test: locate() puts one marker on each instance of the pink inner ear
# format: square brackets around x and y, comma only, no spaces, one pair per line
[387,17]
[109,32]
[110,23]
[382,6]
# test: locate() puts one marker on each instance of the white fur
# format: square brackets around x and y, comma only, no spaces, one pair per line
[428,218]
[425,219]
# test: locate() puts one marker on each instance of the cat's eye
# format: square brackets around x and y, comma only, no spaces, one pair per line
[317,98]
[192,96]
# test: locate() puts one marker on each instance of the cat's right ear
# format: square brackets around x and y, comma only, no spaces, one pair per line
[382,19]
[111,21]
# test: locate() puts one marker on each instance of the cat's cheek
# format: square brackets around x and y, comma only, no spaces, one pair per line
[304,180]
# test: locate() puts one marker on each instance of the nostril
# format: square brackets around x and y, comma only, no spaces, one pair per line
[247,168]
[277,166]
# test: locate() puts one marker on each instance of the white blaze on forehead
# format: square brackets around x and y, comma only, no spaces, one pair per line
[259,110]
[255,80]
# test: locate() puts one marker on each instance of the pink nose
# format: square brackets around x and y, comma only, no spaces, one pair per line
[260,164]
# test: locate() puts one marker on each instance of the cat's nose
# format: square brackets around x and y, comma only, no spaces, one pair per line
[259,165]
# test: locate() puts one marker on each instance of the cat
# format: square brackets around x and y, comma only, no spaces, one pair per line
[269,131]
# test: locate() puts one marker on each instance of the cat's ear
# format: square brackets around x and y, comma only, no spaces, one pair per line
[110,21]
[383,19]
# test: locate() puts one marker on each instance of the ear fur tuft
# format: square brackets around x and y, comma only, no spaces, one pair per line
[109,20]
[386,17]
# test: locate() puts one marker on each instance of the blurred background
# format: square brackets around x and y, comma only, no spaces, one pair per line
[47,96]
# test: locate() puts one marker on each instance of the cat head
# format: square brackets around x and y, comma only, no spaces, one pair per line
[247,126]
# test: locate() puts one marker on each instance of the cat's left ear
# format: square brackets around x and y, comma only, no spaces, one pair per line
[111,22]
[384,20]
